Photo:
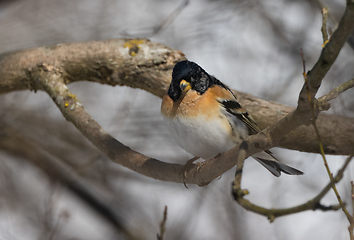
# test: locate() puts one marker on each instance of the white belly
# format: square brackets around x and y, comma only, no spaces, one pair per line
[205,138]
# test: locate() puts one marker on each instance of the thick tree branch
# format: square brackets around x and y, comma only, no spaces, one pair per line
[136,63]
[52,82]
[303,138]
[147,65]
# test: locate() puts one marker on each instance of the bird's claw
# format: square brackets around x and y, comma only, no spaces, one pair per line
[187,168]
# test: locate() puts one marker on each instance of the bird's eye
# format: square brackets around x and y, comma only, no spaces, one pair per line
[184,85]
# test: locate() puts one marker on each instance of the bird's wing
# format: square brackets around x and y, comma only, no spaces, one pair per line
[234,108]
[267,160]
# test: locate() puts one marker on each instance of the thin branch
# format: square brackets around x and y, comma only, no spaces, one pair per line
[328,55]
[165,23]
[324,26]
[334,22]
[273,213]
[351,225]
[162,225]
[321,5]
[311,103]
[322,102]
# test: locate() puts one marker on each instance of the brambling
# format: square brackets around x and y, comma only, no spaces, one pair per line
[205,119]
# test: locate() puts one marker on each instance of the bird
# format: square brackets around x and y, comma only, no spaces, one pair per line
[205,118]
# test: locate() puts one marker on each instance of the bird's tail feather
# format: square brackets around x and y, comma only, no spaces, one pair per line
[276,167]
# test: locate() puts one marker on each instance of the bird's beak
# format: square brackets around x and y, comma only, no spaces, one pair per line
[184,85]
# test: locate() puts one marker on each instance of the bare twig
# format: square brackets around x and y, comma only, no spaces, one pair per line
[162,225]
[237,192]
[148,33]
[273,213]
[324,26]
[311,103]
[351,226]
[334,22]
[321,6]
[328,56]
[322,102]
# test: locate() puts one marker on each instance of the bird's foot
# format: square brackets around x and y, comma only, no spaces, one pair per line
[199,166]
[187,168]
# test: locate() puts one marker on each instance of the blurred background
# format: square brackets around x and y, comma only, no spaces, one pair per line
[54,184]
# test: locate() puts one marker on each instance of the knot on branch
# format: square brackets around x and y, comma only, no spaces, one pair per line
[261,141]
[328,208]
[237,192]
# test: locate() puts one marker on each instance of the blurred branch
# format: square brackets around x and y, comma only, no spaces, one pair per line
[322,6]
[162,225]
[12,141]
[162,26]
[324,26]
[351,226]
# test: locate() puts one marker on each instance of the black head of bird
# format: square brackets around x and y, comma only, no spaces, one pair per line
[189,75]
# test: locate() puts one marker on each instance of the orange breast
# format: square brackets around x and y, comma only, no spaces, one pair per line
[192,104]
